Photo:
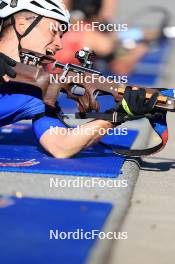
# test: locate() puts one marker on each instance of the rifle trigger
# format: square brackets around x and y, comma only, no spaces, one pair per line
[65,72]
[96,95]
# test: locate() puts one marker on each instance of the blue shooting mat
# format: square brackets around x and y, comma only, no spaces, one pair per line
[158,52]
[25,226]
[142,79]
[19,152]
[149,68]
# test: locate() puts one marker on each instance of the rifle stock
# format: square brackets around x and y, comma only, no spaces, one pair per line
[37,76]
[32,75]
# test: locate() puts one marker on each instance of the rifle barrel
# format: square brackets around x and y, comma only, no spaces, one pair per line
[74,67]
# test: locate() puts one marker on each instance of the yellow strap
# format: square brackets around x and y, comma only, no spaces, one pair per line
[126,108]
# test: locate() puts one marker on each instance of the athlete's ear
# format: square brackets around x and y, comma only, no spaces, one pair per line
[21,25]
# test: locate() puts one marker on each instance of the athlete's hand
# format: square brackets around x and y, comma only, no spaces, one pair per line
[134,105]
[134,102]
[6,67]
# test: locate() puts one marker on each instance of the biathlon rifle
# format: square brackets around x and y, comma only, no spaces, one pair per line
[32,71]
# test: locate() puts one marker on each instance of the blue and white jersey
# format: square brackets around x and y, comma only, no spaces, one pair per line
[17,107]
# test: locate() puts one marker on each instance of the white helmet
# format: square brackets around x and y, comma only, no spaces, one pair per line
[48,8]
[43,8]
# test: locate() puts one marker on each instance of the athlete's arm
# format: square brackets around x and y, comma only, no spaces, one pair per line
[62,142]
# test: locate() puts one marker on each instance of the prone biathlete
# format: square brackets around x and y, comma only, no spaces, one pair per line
[27,25]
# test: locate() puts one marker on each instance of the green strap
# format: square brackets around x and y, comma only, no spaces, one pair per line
[126,108]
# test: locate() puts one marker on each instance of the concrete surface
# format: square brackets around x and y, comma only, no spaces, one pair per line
[150,222]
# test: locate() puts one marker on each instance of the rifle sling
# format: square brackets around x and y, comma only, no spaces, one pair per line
[118,151]
[128,152]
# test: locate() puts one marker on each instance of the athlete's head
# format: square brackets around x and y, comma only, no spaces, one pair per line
[36,25]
